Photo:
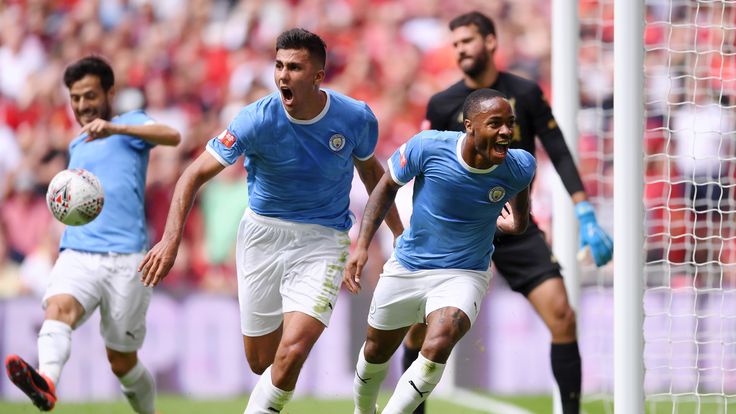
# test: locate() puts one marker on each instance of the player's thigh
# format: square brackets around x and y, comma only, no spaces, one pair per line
[260,269]
[525,261]
[301,332]
[124,303]
[380,345]
[77,275]
[445,327]
[399,298]
[315,265]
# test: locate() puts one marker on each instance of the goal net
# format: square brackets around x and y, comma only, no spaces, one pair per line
[689,149]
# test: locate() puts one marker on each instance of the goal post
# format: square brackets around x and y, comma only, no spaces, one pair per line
[628,210]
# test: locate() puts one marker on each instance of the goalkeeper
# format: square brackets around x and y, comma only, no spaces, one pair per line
[525,261]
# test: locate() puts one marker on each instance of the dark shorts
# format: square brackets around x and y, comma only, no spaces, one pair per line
[525,261]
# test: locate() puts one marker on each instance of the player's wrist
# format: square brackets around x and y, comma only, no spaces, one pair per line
[585,212]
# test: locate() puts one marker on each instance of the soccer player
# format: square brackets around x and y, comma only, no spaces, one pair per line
[97,263]
[300,144]
[525,261]
[439,271]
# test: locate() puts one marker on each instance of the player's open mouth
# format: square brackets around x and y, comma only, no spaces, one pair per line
[287,95]
[501,147]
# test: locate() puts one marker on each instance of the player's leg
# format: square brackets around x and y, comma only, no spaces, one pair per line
[123,307]
[70,297]
[136,381]
[398,302]
[54,347]
[372,366]
[453,301]
[260,351]
[550,301]
[527,264]
[445,327]
[276,385]
[412,344]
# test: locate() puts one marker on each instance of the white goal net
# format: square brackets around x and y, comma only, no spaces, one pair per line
[689,149]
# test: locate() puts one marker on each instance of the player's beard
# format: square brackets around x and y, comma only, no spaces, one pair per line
[479,64]
[104,111]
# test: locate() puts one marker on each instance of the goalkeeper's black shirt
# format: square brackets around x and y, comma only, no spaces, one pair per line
[533,118]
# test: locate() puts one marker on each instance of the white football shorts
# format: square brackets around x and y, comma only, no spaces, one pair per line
[110,281]
[285,266]
[404,297]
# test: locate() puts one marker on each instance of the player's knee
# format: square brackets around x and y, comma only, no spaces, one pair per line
[57,311]
[292,355]
[415,337]
[121,363]
[374,353]
[438,347]
[259,363]
[564,325]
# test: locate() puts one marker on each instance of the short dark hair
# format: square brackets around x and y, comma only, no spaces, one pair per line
[303,39]
[90,65]
[481,21]
[471,106]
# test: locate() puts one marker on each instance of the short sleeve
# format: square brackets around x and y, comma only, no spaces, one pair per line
[138,118]
[406,162]
[236,139]
[365,144]
[527,167]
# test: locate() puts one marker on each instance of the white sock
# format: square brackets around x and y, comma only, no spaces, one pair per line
[414,386]
[367,383]
[266,398]
[54,347]
[139,388]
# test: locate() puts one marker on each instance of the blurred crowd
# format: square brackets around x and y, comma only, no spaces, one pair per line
[194,63]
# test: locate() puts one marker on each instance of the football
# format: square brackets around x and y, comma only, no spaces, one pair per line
[75,197]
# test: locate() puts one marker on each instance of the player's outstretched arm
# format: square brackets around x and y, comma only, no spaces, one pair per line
[159,260]
[370,172]
[516,220]
[380,201]
[158,134]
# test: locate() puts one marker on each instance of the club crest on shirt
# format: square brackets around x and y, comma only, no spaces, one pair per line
[496,194]
[337,142]
[226,138]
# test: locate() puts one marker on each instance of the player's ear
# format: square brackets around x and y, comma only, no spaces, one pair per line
[468,125]
[319,77]
[491,43]
[111,93]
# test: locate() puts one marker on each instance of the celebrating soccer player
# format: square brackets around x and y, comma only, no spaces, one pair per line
[300,144]
[438,272]
[524,260]
[98,261]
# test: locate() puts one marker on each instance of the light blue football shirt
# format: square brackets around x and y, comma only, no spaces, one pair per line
[300,170]
[455,206]
[120,163]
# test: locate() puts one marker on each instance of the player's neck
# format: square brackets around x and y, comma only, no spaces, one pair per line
[484,79]
[312,106]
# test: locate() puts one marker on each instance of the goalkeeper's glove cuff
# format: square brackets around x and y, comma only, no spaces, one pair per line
[584,211]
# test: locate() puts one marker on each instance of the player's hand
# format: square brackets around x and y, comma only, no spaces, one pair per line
[158,262]
[592,235]
[353,268]
[505,221]
[99,128]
